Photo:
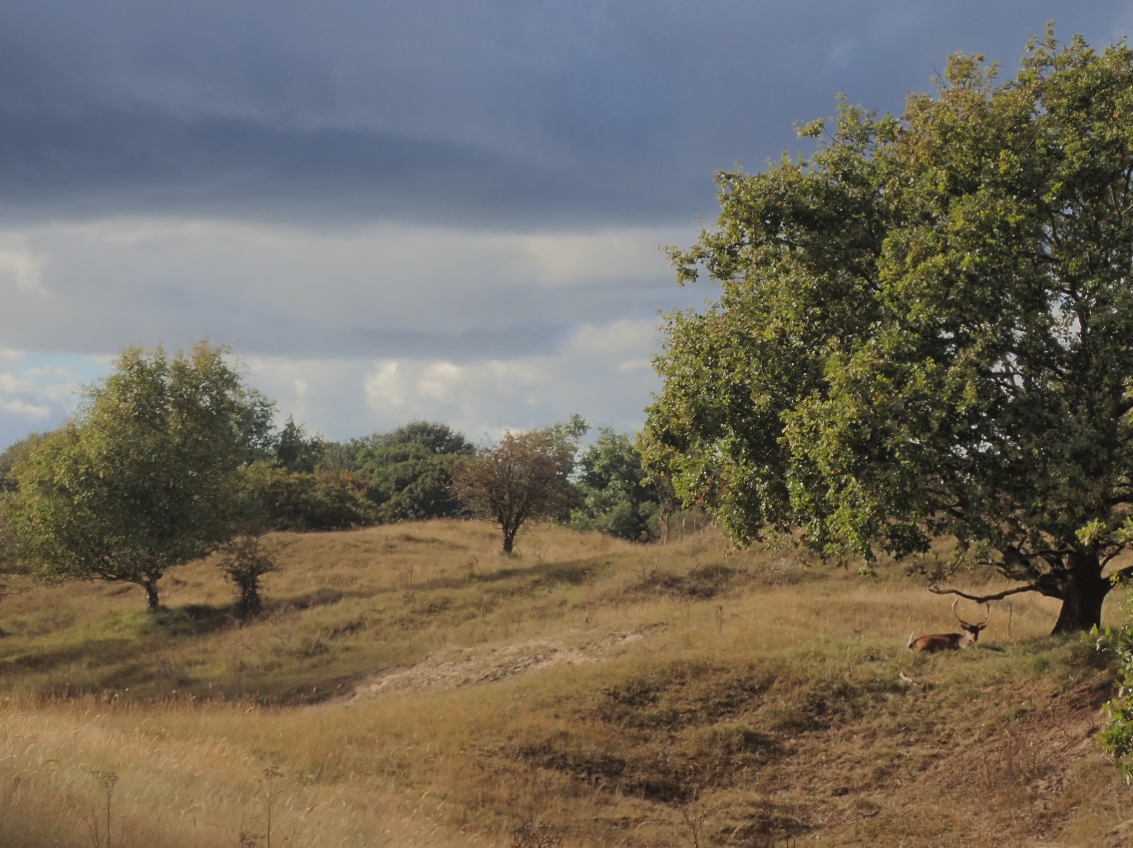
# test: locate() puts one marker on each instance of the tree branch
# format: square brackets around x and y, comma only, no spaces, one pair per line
[983,599]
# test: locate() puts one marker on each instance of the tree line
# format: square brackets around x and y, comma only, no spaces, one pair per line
[174,457]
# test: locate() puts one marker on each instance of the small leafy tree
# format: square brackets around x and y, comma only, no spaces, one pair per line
[144,477]
[523,477]
[244,561]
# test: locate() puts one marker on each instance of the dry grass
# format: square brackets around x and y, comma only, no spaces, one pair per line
[413,688]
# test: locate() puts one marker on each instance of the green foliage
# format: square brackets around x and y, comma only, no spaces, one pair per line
[9,485]
[296,451]
[437,438]
[568,433]
[409,470]
[923,331]
[9,457]
[409,483]
[616,496]
[317,484]
[244,561]
[145,477]
[338,456]
[1117,737]
[277,499]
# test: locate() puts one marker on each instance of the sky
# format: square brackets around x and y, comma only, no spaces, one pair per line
[394,211]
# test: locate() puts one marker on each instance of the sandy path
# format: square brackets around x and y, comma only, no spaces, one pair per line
[456,667]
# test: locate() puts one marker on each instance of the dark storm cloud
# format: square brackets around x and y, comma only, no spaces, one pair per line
[501,114]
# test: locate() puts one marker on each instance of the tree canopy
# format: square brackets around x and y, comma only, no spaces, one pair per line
[409,470]
[924,330]
[295,451]
[523,477]
[144,477]
[616,495]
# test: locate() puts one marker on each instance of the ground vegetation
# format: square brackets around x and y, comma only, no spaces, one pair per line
[406,686]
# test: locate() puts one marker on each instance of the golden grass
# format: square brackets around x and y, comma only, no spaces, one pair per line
[603,692]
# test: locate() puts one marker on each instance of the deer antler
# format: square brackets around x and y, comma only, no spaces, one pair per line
[986,617]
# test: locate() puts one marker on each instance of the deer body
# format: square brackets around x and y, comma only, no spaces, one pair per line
[950,641]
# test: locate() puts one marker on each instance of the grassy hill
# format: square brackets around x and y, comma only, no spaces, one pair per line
[408,686]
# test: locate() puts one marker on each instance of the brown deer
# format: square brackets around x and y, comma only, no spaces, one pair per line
[950,641]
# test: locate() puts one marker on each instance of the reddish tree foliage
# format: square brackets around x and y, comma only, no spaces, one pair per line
[522,478]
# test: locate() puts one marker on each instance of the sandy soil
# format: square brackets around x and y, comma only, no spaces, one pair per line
[455,667]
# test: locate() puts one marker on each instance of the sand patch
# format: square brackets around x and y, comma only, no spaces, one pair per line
[458,667]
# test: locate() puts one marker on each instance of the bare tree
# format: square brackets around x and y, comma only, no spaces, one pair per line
[522,477]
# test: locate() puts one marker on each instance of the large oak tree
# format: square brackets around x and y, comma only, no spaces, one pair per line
[926,330]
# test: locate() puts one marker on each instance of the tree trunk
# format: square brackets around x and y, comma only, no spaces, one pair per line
[150,586]
[1085,591]
[509,540]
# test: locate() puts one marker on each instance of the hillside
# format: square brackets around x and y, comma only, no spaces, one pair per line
[408,686]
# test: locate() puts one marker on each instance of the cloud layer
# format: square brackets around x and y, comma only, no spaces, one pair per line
[437,209]
[505,114]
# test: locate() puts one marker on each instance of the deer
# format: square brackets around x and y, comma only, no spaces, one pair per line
[950,641]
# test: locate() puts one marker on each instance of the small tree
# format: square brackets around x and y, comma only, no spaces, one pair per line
[144,478]
[522,478]
[245,560]
[295,450]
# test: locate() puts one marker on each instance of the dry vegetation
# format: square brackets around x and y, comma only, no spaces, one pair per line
[407,686]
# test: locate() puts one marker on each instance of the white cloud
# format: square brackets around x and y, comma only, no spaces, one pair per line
[592,258]
[439,380]
[619,342]
[22,269]
[601,372]
[350,330]
[386,387]
[40,390]
[275,288]
[25,410]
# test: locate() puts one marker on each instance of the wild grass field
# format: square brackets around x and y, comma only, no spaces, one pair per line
[407,686]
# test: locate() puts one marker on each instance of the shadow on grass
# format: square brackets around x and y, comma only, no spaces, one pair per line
[189,620]
[701,583]
[321,597]
[540,575]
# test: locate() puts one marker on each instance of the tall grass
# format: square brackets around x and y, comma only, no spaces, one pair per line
[411,687]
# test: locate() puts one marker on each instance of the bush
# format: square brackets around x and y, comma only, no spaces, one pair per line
[280,500]
[244,561]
